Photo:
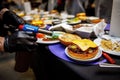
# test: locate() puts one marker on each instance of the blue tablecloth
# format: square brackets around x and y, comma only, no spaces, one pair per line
[59,51]
[107,28]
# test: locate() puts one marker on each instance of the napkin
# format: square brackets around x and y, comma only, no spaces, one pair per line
[84,32]
[62,27]
[99,28]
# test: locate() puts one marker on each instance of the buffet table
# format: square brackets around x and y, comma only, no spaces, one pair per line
[86,71]
[50,63]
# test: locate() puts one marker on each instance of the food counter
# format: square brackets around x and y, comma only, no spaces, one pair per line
[52,63]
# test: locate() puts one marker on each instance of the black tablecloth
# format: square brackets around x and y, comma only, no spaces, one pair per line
[47,66]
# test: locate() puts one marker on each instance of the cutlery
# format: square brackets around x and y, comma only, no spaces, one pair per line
[109,65]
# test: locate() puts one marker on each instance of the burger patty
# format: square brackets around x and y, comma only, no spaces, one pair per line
[75,49]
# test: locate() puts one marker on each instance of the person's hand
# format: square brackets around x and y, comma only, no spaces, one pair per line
[20,41]
[12,19]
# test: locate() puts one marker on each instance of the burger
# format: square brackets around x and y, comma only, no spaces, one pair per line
[81,16]
[53,12]
[83,49]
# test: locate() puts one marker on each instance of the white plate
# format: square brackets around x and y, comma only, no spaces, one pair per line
[55,33]
[39,40]
[70,16]
[98,55]
[98,41]
[27,18]
[74,22]
[92,18]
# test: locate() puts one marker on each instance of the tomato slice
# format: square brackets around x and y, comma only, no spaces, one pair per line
[40,35]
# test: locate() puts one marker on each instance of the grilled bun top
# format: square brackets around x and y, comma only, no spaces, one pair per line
[67,38]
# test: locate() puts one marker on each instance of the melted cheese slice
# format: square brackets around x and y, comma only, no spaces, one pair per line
[84,44]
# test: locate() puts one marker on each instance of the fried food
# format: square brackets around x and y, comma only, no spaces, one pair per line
[106,44]
[110,45]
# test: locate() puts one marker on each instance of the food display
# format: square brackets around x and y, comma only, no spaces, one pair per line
[73,26]
[82,49]
[67,38]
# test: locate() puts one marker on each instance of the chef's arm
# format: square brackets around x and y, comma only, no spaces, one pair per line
[2,44]
[2,11]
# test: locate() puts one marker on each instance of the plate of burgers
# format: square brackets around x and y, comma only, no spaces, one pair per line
[83,50]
